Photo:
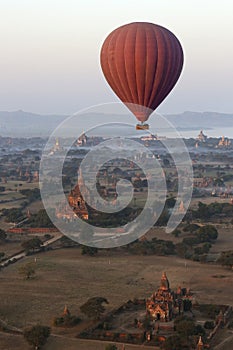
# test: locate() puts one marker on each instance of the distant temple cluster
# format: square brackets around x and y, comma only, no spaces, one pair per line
[56,148]
[82,140]
[201,137]
[224,142]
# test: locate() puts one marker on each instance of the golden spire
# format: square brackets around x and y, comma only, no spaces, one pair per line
[181,207]
[164,282]
[66,311]
[200,344]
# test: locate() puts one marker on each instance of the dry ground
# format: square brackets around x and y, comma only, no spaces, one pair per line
[223,243]
[225,238]
[16,342]
[12,342]
[10,248]
[67,277]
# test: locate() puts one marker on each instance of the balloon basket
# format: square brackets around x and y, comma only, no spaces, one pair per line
[142,126]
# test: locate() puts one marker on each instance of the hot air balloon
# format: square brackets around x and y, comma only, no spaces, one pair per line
[142,63]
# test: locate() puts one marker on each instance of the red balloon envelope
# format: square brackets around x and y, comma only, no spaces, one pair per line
[142,62]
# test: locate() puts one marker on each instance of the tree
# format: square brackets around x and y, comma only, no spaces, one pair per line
[209,325]
[31,194]
[170,202]
[166,162]
[184,326]
[207,233]
[183,250]
[66,242]
[94,308]
[191,228]
[187,305]
[175,342]
[3,235]
[147,323]
[226,259]
[32,244]
[36,335]
[202,211]
[13,214]
[199,330]
[66,321]
[86,250]
[111,347]
[176,232]
[164,217]
[40,219]
[2,255]
[27,270]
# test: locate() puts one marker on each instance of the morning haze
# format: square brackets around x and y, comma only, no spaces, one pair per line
[50,52]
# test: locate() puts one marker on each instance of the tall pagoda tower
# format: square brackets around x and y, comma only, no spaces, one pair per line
[76,200]
[160,305]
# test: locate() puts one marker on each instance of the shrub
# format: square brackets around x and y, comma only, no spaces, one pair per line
[191,228]
[199,330]
[36,335]
[111,347]
[66,321]
[210,310]
[27,270]
[209,325]
[107,326]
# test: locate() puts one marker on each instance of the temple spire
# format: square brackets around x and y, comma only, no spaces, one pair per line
[200,344]
[66,311]
[164,285]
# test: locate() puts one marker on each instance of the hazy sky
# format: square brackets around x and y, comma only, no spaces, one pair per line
[49,57]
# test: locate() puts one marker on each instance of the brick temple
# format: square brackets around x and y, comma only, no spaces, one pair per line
[165,303]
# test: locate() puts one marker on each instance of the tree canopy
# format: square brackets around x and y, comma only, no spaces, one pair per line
[226,259]
[111,347]
[207,233]
[3,235]
[27,270]
[37,335]
[32,244]
[94,308]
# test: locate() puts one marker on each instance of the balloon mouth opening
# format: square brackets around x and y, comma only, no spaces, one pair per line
[142,113]
[142,126]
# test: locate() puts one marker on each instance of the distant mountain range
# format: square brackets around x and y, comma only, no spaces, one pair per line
[26,124]
[201,120]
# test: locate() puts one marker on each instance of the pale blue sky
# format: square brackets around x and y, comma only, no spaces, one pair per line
[49,60]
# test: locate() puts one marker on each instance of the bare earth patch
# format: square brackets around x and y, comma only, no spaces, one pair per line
[67,277]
